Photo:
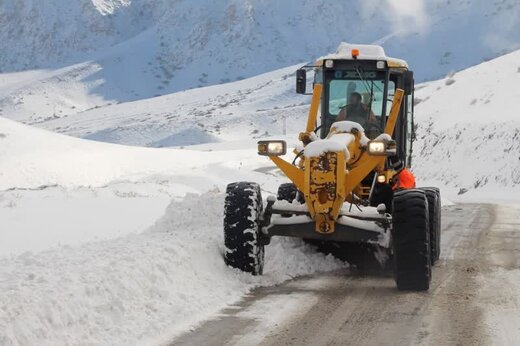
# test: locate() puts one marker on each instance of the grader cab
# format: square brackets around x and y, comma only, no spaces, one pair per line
[346,184]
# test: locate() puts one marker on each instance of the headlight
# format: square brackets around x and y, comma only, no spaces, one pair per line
[272,148]
[382,148]
[381,178]
[376,148]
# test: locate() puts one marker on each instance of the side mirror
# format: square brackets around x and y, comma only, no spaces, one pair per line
[301,81]
[408,82]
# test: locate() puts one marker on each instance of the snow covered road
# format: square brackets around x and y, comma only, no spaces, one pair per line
[473,300]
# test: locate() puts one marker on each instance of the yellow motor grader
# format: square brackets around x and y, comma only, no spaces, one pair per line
[345,175]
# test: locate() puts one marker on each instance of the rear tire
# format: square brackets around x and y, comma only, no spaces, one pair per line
[289,192]
[411,240]
[434,207]
[242,229]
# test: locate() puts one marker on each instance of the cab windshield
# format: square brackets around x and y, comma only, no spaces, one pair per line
[358,96]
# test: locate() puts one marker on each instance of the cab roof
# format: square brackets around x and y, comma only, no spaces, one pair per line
[366,52]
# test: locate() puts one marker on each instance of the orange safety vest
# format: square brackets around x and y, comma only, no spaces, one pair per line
[404,180]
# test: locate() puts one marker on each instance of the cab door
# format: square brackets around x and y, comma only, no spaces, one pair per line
[404,129]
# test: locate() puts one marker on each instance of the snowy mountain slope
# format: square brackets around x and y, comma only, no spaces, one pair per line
[469,127]
[41,158]
[110,51]
[483,94]
[58,92]
[237,110]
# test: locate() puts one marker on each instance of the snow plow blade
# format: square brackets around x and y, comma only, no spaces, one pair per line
[342,233]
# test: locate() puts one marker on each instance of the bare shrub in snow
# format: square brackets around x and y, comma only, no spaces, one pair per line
[449,81]
[449,78]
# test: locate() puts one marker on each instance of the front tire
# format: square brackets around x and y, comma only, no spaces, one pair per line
[242,229]
[411,240]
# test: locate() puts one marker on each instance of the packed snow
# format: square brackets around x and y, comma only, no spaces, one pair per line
[141,288]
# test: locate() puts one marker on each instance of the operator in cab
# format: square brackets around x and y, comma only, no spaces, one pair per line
[356,111]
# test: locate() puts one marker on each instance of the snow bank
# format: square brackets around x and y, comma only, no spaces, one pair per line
[107,283]
[137,289]
[48,218]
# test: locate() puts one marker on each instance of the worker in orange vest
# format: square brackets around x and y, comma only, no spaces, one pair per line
[404,179]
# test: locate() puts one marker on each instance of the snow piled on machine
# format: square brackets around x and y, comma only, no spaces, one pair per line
[336,143]
[365,52]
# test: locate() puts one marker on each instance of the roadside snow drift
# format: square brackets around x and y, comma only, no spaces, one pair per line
[137,289]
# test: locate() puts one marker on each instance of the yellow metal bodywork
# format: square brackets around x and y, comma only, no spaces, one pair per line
[329,180]
[324,189]
[315,105]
